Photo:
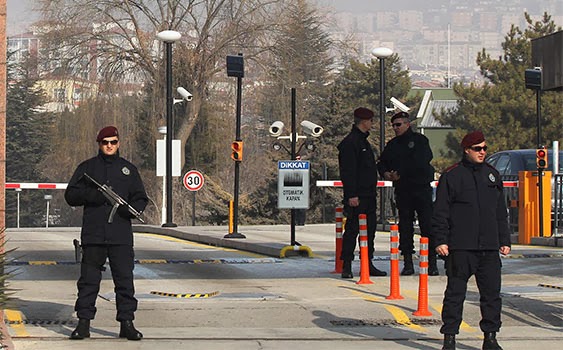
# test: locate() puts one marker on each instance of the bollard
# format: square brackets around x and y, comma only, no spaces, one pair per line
[338,244]
[364,254]
[395,289]
[423,280]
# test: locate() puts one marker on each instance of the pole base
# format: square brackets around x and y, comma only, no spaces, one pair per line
[234,235]
[169,224]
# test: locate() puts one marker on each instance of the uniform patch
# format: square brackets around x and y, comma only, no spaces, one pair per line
[125,170]
[492,177]
[411,144]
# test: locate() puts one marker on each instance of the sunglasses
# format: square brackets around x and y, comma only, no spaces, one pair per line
[106,142]
[396,125]
[479,148]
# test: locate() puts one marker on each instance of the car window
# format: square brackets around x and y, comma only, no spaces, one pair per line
[530,162]
[503,164]
[493,160]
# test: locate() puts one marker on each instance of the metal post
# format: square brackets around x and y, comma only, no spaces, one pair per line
[163,216]
[18,191]
[193,208]
[48,198]
[382,132]
[293,155]
[169,135]
[235,233]
[540,171]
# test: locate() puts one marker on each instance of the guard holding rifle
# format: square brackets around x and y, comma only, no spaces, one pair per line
[106,230]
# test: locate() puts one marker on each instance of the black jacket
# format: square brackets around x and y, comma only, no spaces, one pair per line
[123,177]
[356,160]
[470,209]
[409,155]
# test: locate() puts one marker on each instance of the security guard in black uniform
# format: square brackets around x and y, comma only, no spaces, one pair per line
[103,240]
[470,228]
[406,161]
[358,174]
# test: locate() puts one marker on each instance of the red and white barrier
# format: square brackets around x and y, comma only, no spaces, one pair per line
[338,183]
[35,186]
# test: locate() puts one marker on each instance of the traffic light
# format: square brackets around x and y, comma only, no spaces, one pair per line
[541,158]
[236,153]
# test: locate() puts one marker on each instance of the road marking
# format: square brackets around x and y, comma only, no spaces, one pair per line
[187,296]
[15,322]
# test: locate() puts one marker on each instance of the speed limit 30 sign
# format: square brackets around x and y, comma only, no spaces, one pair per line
[193,180]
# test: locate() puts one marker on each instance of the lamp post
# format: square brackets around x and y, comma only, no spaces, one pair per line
[169,37]
[162,131]
[382,53]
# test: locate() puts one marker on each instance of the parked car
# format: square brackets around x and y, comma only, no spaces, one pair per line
[510,162]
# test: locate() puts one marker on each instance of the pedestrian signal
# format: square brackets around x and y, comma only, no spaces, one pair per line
[236,153]
[541,158]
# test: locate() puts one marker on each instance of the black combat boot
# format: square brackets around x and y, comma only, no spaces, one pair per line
[82,330]
[449,342]
[432,265]
[128,331]
[374,271]
[408,268]
[490,342]
[347,269]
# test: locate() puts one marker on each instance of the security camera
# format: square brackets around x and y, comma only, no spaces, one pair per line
[312,128]
[184,93]
[276,128]
[400,105]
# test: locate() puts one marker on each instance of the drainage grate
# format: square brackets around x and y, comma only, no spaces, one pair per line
[40,322]
[384,323]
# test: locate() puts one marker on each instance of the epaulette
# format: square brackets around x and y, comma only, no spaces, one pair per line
[452,167]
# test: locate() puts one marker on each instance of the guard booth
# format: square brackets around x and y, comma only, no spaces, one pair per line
[528,206]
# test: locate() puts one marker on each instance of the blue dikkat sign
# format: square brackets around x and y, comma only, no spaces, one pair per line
[293,184]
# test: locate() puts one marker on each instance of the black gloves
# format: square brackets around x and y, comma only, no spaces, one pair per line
[123,211]
[94,197]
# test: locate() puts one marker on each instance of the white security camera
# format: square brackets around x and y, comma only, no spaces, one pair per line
[184,93]
[312,128]
[400,105]
[276,128]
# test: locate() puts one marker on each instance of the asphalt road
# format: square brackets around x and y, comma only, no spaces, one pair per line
[198,296]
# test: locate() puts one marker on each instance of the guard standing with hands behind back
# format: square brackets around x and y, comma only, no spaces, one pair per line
[470,228]
[406,161]
[358,174]
[103,238]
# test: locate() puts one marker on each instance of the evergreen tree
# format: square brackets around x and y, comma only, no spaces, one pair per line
[503,108]
[27,142]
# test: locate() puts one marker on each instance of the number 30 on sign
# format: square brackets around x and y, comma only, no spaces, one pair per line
[193,180]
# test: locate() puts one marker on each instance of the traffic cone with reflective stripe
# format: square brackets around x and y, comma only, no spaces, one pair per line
[364,254]
[423,280]
[338,243]
[395,289]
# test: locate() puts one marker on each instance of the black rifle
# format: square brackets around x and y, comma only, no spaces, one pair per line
[115,200]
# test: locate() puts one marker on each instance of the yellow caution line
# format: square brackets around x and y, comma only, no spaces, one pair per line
[39,262]
[201,245]
[15,321]
[187,296]
[152,261]
[399,315]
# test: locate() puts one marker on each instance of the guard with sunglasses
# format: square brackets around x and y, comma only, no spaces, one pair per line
[406,161]
[470,228]
[102,239]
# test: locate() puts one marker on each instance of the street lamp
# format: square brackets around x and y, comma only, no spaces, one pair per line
[169,37]
[382,53]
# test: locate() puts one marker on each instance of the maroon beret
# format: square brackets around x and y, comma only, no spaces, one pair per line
[404,115]
[108,131]
[472,138]
[363,113]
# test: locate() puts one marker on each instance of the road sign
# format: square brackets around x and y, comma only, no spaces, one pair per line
[193,180]
[293,184]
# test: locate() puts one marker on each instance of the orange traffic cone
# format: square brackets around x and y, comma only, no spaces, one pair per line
[364,254]
[423,280]
[395,289]
[338,246]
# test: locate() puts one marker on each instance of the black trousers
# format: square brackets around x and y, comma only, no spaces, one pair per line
[121,261]
[409,200]
[460,266]
[368,206]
